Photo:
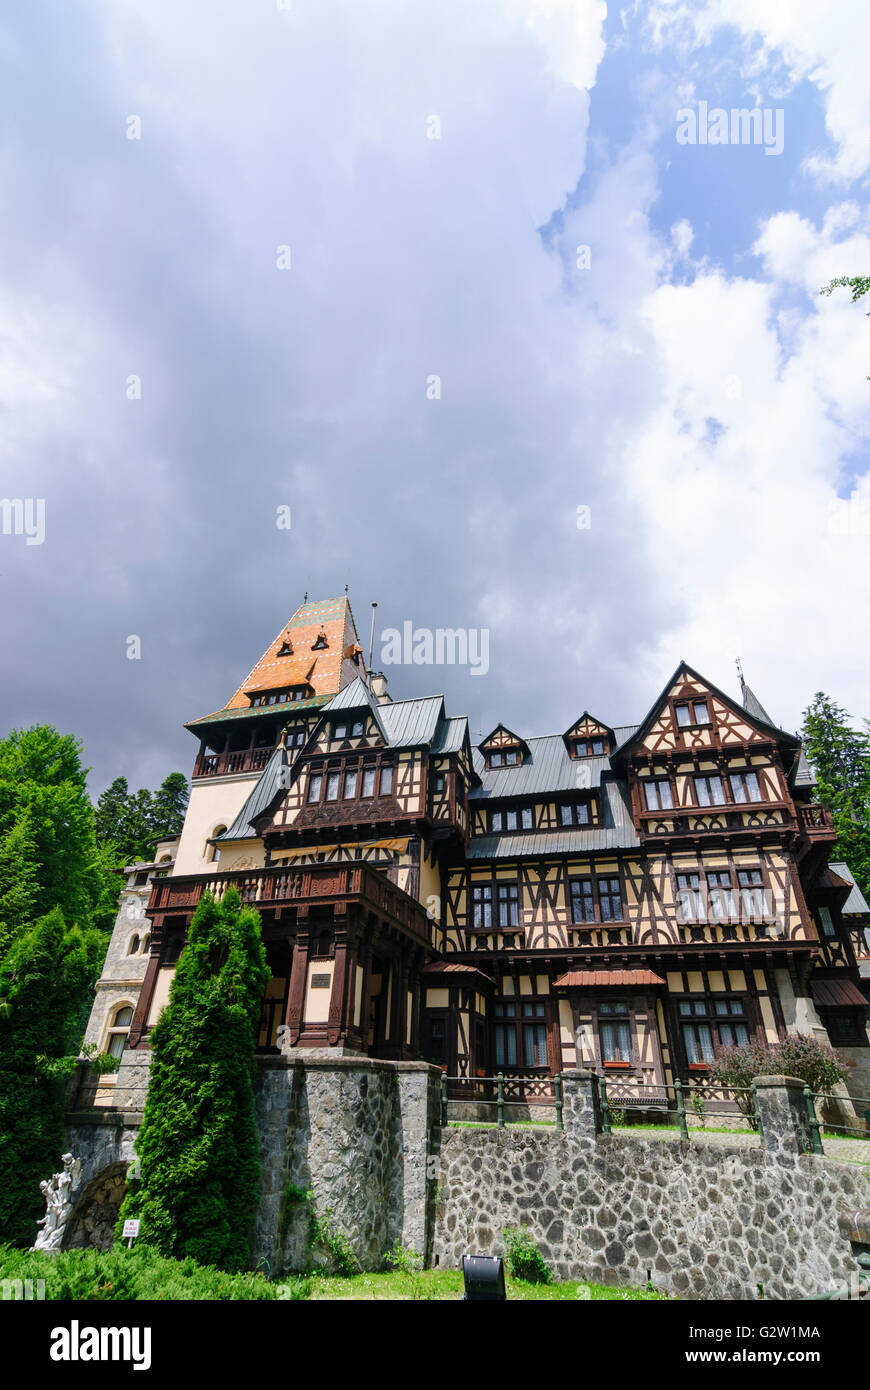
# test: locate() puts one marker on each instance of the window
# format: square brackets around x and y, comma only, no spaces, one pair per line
[511,758]
[658,795]
[496,820]
[826,921]
[690,898]
[614,1031]
[351,777]
[508,904]
[215,850]
[510,820]
[694,712]
[439,782]
[577,814]
[437,1038]
[709,791]
[481,899]
[528,818]
[146,944]
[520,1034]
[845,1027]
[582,900]
[721,895]
[708,1023]
[142,878]
[744,786]
[332,782]
[495,759]
[590,748]
[754,900]
[315,782]
[368,781]
[134,946]
[118,1030]
[358,728]
[386,778]
[285,649]
[610,899]
[339,731]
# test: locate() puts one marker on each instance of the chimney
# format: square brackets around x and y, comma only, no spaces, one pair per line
[378,687]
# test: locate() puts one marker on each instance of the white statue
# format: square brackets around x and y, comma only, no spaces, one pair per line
[57,1194]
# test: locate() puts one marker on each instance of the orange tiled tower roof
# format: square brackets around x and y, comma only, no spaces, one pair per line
[314,648]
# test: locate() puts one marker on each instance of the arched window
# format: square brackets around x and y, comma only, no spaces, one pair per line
[116,1036]
[215,854]
[134,946]
[146,944]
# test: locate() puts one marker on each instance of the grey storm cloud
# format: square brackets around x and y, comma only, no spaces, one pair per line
[306,387]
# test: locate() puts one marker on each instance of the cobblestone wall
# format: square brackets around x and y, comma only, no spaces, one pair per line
[699,1221]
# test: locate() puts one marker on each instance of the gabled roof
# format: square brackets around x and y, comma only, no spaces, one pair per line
[569,732]
[356,697]
[410,723]
[503,729]
[684,669]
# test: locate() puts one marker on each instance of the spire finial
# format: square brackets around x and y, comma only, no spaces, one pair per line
[305,599]
[740,675]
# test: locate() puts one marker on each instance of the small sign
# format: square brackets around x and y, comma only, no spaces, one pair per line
[321,981]
[131,1228]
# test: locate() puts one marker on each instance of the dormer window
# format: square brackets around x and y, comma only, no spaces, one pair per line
[577,814]
[352,729]
[692,712]
[511,757]
[285,649]
[591,747]
[321,642]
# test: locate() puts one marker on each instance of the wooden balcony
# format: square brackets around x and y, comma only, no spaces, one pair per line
[314,885]
[228,764]
[816,822]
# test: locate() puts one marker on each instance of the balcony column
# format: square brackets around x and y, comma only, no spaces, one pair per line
[298,973]
[337,1024]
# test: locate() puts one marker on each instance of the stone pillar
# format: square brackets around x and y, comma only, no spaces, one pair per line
[581,1104]
[419,1108]
[783,1112]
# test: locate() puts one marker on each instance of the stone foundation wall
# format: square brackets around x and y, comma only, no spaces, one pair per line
[356,1133]
[699,1220]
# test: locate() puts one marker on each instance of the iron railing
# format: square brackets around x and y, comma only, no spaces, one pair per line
[817,1126]
[503,1094]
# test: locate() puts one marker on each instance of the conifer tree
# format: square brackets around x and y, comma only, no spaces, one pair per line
[840,756]
[198,1147]
[45,987]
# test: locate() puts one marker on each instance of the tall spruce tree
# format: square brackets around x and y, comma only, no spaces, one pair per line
[45,987]
[130,822]
[169,805]
[840,755]
[198,1147]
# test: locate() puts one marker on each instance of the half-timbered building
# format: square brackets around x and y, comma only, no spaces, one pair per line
[618,897]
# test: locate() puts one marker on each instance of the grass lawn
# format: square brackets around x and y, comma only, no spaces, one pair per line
[445,1284]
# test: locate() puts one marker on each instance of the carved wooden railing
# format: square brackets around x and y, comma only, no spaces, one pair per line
[313,883]
[815,819]
[224,764]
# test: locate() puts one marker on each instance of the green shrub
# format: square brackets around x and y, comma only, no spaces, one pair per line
[335,1242]
[524,1259]
[140,1273]
[814,1062]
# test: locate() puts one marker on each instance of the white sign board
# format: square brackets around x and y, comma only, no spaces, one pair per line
[131,1228]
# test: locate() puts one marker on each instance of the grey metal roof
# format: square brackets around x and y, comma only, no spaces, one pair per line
[753,705]
[803,776]
[549,768]
[616,832]
[412,722]
[268,784]
[450,735]
[856,902]
[356,695]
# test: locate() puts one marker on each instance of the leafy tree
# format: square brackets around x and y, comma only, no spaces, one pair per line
[198,1147]
[840,756]
[801,1055]
[47,820]
[45,987]
[858,284]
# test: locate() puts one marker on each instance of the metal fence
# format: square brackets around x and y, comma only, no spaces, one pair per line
[675,1103]
[828,1127]
[503,1095]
